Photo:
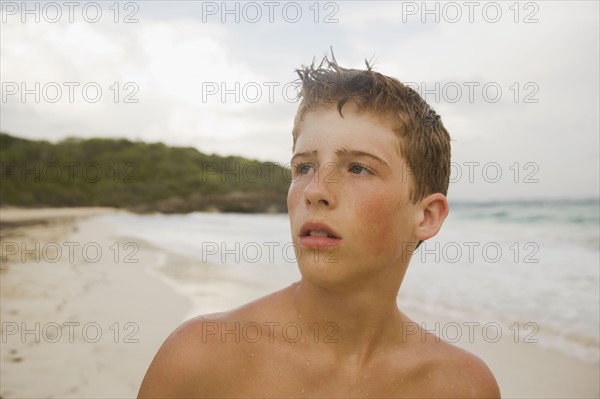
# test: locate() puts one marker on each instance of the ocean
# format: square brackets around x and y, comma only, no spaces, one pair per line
[530,268]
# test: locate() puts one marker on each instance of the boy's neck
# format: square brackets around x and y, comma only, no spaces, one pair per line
[364,320]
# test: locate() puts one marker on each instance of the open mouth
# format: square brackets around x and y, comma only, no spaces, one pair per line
[318,235]
[313,233]
[317,229]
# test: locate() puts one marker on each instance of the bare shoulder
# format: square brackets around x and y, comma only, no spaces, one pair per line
[201,357]
[185,361]
[456,372]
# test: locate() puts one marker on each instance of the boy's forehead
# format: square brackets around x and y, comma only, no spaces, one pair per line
[359,130]
[351,110]
[326,117]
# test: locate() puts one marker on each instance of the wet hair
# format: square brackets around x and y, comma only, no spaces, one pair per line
[424,143]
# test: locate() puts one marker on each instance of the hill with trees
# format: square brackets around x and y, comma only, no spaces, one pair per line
[142,177]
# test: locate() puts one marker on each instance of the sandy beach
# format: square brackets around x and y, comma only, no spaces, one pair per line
[77,327]
[85,309]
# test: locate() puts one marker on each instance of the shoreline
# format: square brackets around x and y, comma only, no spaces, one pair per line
[136,293]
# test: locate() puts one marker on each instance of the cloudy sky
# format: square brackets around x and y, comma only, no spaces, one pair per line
[516,84]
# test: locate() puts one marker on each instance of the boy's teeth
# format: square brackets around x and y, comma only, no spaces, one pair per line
[319,234]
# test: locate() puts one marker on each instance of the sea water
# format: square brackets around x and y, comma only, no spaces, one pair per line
[535,264]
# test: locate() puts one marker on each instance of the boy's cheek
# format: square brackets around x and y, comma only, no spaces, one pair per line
[295,200]
[375,207]
[382,222]
[293,192]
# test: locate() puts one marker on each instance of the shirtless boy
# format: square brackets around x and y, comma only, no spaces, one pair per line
[370,170]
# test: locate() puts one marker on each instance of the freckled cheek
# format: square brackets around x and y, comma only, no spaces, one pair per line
[295,203]
[378,222]
[294,195]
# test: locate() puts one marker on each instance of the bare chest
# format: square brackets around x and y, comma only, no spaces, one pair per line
[310,376]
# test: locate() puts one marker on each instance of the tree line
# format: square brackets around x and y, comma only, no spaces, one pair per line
[139,176]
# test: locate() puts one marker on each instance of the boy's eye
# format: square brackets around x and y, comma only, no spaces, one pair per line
[358,169]
[303,168]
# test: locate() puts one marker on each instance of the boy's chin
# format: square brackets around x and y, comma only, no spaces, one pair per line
[329,275]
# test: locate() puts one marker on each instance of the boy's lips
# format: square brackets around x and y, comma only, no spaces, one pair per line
[318,235]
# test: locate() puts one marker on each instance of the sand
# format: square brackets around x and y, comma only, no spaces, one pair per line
[77,328]
[84,312]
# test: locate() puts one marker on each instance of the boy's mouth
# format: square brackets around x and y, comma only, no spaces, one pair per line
[317,229]
[318,235]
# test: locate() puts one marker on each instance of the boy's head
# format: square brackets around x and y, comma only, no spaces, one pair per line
[423,141]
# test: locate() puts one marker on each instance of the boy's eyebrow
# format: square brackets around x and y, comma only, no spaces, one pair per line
[344,152]
[305,154]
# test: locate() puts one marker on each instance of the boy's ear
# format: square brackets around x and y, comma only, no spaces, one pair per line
[433,210]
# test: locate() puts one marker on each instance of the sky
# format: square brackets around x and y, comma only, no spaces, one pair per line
[516,83]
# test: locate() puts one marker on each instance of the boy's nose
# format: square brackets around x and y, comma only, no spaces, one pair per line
[319,193]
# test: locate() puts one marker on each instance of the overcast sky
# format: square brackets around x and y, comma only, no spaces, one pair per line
[516,84]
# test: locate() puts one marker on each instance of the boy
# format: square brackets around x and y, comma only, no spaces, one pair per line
[370,170]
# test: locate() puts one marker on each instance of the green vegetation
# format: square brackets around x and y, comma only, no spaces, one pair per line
[139,176]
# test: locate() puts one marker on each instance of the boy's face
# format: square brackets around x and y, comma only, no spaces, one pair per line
[350,182]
